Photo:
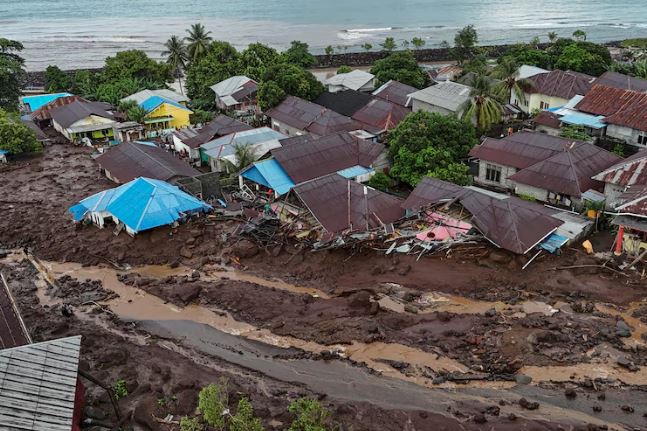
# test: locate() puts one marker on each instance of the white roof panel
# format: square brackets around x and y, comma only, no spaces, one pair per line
[352,80]
[448,95]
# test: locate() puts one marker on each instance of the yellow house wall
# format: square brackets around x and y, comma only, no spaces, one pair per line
[534,102]
[180,116]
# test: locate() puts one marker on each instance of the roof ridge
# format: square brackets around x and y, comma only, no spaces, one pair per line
[141,149]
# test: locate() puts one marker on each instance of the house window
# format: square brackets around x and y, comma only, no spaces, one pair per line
[642,139]
[493,173]
[544,105]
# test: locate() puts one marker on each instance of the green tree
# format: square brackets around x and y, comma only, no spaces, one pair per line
[388,44]
[190,424]
[405,44]
[401,67]
[430,144]
[552,36]
[465,43]
[510,84]
[329,50]
[15,136]
[200,116]
[244,419]
[574,132]
[483,107]
[222,61]
[525,54]
[380,181]
[344,69]
[579,35]
[299,55]
[257,58]
[135,64]
[367,46]
[269,95]
[477,65]
[535,41]
[85,84]
[56,80]
[578,59]
[11,74]
[198,41]
[136,114]
[418,42]
[213,403]
[176,56]
[311,415]
[294,81]
[113,92]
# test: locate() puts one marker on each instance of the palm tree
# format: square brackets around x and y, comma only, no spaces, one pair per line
[510,84]
[482,106]
[177,56]
[579,35]
[552,36]
[198,41]
[245,155]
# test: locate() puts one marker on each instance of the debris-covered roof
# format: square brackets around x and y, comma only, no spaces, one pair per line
[558,83]
[447,95]
[261,140]
[380,116]
[13,332]
[343,102]
[395,92]
[326,155]
[620,107]
[569,171]
[619,80]
[141,204]
[340,204]
[39,384]
[310,117]
[220,126]
[634,201]
[508,222]
[630,171]
[353,80]
[131,160]
[69,114]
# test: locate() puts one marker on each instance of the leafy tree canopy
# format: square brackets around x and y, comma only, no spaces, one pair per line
[578,58]
[257,58]
[135,64]
[311,415]
[401,67]
[294,81]
[465,43]
[269,95]
[577,133]
[526,54]
[56,80]
[15,136]
[299,55]
[344,69]
[11,74]
[431,144]
[112,92]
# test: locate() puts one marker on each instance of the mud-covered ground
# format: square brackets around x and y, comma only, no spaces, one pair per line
[575,330]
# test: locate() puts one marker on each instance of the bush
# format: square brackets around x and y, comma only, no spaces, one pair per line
[120,389]
[244,420]
[311,415]
[344,69]
[380,181]
[213,402]
[190,424]
[16,137]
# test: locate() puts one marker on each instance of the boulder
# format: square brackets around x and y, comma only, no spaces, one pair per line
[245,249]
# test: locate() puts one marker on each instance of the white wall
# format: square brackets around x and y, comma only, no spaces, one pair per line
[418,105]
[506,171]
[285,129]
[625,133]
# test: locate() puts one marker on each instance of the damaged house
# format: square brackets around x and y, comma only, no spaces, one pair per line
[237,93]
[629,172]
[631,220]
[542,167]
[189,140]
[81,119]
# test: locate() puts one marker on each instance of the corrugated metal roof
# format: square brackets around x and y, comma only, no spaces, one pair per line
[625,82]
[579,119]
[353,80]
[630,171]
[261,140]
[220,126]
[548,119]
[343,102]
[38,385]
[395,92]
[380,116]
[310,117]
[141,204]
[233,85]
[570,171]
[621,107]
[153,102]
[525,71]
[35,102]
[327,155]
[13,332]
[69,114]
[447,95]
[558,83]
[43,113]
[354,172]
[634,201]
[144,95]
[341,205]
[131,160]
[269,173]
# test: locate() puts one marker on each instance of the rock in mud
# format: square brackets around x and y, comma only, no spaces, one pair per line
[186,253]
[480,419]
[570,393]
[522,379]
[627,408]
[622,329]
[626,363]
[528,405]
[499,257]
[245,249]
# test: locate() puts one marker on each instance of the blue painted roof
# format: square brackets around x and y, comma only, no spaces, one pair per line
[154,102]
[354,171]
[141,204]
[269,173]
[595,122]
[35,102]
[3,152]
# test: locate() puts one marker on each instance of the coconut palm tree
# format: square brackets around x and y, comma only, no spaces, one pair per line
[198,41]
[510,84]
[552,36]
[177,56]
[482,106]
[244,155]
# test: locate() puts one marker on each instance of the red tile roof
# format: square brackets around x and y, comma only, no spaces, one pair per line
[558,83]
[631,171]
[620,107]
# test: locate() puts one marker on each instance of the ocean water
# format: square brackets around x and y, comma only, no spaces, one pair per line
[81,33]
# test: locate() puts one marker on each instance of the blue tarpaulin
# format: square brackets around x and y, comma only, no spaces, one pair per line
[269,173]
[141,204]
[553,243]
[35,102]
[592,121]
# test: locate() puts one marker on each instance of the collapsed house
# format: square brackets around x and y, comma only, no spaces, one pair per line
[139,205]
[631,220]
[189,140]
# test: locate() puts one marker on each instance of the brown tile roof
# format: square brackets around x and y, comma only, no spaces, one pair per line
[630,171]
[322,156]
[310,117]
[341,205]
[570,171]
[511,223]
[395,92]
[43,113]
[558,83]
[222,125]
[635,201]
[624,82]
[131,160]
[620,107]
[12,330]
[547,119]
[379,116]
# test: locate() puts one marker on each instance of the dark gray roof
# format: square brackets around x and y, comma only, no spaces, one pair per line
[343,102]
[340,204]
[222,125]
[69,114]
[310,117]
[318,157]
[624,82]
[395,92]
[131,160]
